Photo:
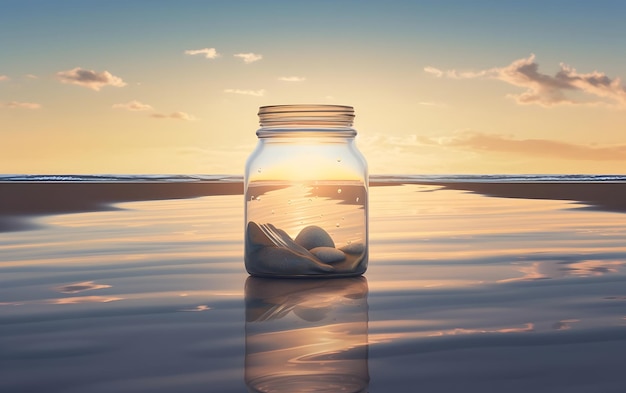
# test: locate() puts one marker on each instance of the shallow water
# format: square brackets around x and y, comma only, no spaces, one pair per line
[463,293]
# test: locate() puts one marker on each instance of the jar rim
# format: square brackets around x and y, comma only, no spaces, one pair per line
[306,114]
[287,108]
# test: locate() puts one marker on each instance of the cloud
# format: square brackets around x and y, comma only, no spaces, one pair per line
[413,153]
[431,103]
[434,71]
[89,78]
[31,76]
[475,152]
[4,78]
[292,79]
[498,143]
[256,93]
[548,90]
[133,105]
[454,74]
[174,115]
[249,57]
[209,53]
[136,106]
[20,105]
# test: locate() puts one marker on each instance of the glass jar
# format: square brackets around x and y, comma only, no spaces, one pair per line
[305,190]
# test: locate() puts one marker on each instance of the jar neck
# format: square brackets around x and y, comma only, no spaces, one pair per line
[306,120]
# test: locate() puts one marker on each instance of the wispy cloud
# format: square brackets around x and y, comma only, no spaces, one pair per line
[249,57]
[431,103]
[256,93]
[292,79]
[548,90]
[434,71]
[397,154]
[4,78]
[499,143]
[31,76]
[209,53]
[474,151]
[137,106]
[20,105]
[396,141]
[454,74]
[133,105]
[174,115]
[89,78]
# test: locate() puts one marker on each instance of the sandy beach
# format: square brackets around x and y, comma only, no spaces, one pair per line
[473,286]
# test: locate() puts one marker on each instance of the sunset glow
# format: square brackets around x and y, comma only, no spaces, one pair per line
[455,87]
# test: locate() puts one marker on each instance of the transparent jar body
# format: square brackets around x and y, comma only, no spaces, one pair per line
[306,195]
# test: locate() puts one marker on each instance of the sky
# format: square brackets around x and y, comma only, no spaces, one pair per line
[438,87]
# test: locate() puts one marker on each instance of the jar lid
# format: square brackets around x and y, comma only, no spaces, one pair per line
[305,115]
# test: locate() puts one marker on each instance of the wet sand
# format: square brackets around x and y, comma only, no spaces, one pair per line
[20,200]
[606,196]
[23,199]
[141,287]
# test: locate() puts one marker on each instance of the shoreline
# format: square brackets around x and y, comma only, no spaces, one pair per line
[21,201]
[608,196]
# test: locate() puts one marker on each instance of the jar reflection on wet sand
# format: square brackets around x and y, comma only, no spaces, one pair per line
[308,335]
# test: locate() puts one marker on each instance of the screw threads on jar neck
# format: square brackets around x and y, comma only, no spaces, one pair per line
[332,116]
